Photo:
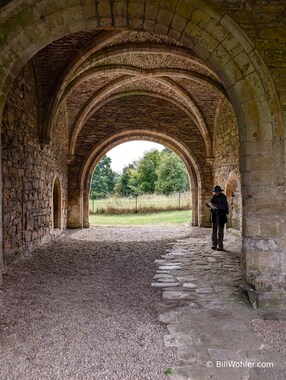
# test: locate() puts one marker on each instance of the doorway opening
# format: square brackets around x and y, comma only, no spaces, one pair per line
[57,201]
[140,178]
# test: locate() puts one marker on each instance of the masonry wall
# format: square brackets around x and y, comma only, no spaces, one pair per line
[226,164]
[28,170]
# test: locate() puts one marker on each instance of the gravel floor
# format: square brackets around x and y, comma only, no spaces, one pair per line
[273,333]
[82,308]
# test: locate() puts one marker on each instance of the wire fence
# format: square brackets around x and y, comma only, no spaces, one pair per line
[141,203]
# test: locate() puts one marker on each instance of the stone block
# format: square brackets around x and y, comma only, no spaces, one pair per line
[136,23]
[161,29]
[169,4]
[178,24]
[216,30]
[89,9]
[135,9]
[164,17]
[220,57]
[207,42]
[55,20]
[264,261]
[200,18]
[119,10]
[174,34]
[193,30]
[104,9]
[151,12]
[75,15]
[184,9]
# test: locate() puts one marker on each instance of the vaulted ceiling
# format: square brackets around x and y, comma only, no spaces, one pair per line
[92,72]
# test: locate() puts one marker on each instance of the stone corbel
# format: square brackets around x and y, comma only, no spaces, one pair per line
[44,142]
[70,158]
[210,161]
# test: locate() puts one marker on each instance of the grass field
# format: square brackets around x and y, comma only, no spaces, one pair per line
[158,218]
[144,203]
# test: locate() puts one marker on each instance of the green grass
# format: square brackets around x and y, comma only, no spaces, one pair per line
[159,218]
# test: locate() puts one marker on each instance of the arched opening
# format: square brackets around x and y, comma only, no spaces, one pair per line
[199,215]
[57,204]
[140,177]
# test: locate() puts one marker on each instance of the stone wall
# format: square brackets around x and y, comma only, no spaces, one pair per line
[226,163]
[28,170]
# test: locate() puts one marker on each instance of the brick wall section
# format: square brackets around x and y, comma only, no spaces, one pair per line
[28,171]
[138,112]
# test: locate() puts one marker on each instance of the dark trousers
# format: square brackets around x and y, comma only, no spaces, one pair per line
[217,234]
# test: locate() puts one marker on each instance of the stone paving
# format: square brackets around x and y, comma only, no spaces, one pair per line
[208,321]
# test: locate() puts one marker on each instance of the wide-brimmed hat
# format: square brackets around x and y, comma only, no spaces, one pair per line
[217,189]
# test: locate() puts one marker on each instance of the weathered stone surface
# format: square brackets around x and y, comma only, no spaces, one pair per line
[164,284]
[30,171]
[189,285]
[213,334]
[174,295]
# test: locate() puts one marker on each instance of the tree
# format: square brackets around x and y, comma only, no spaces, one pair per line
[103,178]
[144,176]
[172,175]
[124,185]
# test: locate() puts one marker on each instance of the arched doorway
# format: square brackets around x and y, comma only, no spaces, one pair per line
[57,204]
[199,215]
[138,177]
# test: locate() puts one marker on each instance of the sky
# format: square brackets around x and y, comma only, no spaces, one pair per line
[124,154]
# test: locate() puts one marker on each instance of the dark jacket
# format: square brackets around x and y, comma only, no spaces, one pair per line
[220,201]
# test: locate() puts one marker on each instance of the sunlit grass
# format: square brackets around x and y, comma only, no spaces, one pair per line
[158,218]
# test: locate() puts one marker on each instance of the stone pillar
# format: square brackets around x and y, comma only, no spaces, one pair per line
[204,211]
[195,213]
[86,194]
[263,229]
[205,194]
[75,208]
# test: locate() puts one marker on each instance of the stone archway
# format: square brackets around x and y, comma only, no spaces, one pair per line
[218,41]
[199,217]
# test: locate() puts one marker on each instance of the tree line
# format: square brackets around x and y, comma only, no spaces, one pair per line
[156,172]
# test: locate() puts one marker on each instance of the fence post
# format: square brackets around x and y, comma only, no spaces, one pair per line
[136,200]
[179,201]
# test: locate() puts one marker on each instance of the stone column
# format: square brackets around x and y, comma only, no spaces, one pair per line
[204,211]
[75,208]
[195,213]
[205,193]
[263,227]
[86,194]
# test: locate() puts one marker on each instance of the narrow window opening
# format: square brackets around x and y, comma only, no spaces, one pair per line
[57,204]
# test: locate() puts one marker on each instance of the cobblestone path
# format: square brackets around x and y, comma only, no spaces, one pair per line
[83,308]
[208,322]
[92,306]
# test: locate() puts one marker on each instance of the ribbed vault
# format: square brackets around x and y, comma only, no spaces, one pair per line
[130,81]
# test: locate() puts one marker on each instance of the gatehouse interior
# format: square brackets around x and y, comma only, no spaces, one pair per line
[78,80]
